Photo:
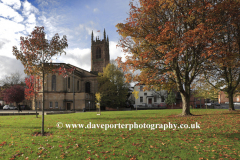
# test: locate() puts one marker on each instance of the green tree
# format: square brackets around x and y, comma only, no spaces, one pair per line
[171,98]
[206,91]
[112,86]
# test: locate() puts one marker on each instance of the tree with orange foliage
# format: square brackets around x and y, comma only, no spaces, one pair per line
[32,89]
[223,69]
[36,53]
[169,41]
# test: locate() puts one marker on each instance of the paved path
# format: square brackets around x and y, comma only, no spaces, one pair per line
[26,111]
[222,106]
[226,106]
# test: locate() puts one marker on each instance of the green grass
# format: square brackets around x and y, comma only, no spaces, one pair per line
[218,136]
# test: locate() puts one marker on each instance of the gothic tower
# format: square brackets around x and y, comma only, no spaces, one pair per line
[99,53]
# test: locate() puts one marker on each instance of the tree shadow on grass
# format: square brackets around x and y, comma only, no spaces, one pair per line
[180,116]
[228,112]
[122,118]
[24,126]
[232,112]
[234,136]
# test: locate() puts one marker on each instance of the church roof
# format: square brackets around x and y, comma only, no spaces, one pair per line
[79,71]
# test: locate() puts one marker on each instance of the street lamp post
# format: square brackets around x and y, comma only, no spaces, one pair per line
[89,105]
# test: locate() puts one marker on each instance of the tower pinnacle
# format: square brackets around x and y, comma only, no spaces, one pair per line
[92,37]
[104,34]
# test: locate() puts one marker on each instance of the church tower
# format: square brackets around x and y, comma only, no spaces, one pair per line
[99,53]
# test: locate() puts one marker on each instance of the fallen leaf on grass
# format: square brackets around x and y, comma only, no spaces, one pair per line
[3,143]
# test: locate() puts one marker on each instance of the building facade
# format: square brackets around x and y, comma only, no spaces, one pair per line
[150,98]
[77,91]
[223,99]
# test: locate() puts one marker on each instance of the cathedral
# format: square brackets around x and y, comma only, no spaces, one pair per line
[77,91]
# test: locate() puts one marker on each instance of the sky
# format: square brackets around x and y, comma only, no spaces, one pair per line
[74,18]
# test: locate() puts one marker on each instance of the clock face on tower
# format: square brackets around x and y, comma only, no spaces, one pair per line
[99,53]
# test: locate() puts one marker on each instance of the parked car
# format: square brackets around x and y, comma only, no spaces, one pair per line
[209,104]
[149,105]
[216,104]
[156,105]
[9,107]
[144,105]
[162,105]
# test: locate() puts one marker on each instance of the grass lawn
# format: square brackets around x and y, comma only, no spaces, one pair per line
[217,138]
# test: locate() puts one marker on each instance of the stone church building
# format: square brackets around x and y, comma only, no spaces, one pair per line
[77,91]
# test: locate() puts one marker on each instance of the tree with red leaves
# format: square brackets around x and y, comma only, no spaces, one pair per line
[32,89]
[36,54]
[14,93]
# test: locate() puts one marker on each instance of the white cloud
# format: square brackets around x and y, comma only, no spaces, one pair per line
[46,3]
[52,25]
[87,6]
[48,24]
[9,13]
[82,57]
[3,41]
[29,27]
[92,23]
[10,65]
[89,30]
[95,10]
[16,4]
[78,57]
[116,51]
[31,18]
[28,8]
[8,28]
[81,26]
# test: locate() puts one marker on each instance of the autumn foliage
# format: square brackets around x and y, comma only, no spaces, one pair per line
[32,87]
[222,70]
[36,50]
[170,42]
[36,54]
[13,94]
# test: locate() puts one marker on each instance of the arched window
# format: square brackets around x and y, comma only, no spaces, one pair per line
[87,87]
[53,82]
[98,53]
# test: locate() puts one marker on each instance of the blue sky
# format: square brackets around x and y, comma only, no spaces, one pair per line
[74,18]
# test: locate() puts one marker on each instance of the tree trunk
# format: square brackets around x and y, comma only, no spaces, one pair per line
[231,105]
[35,96]
[43,105]
[185,104]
